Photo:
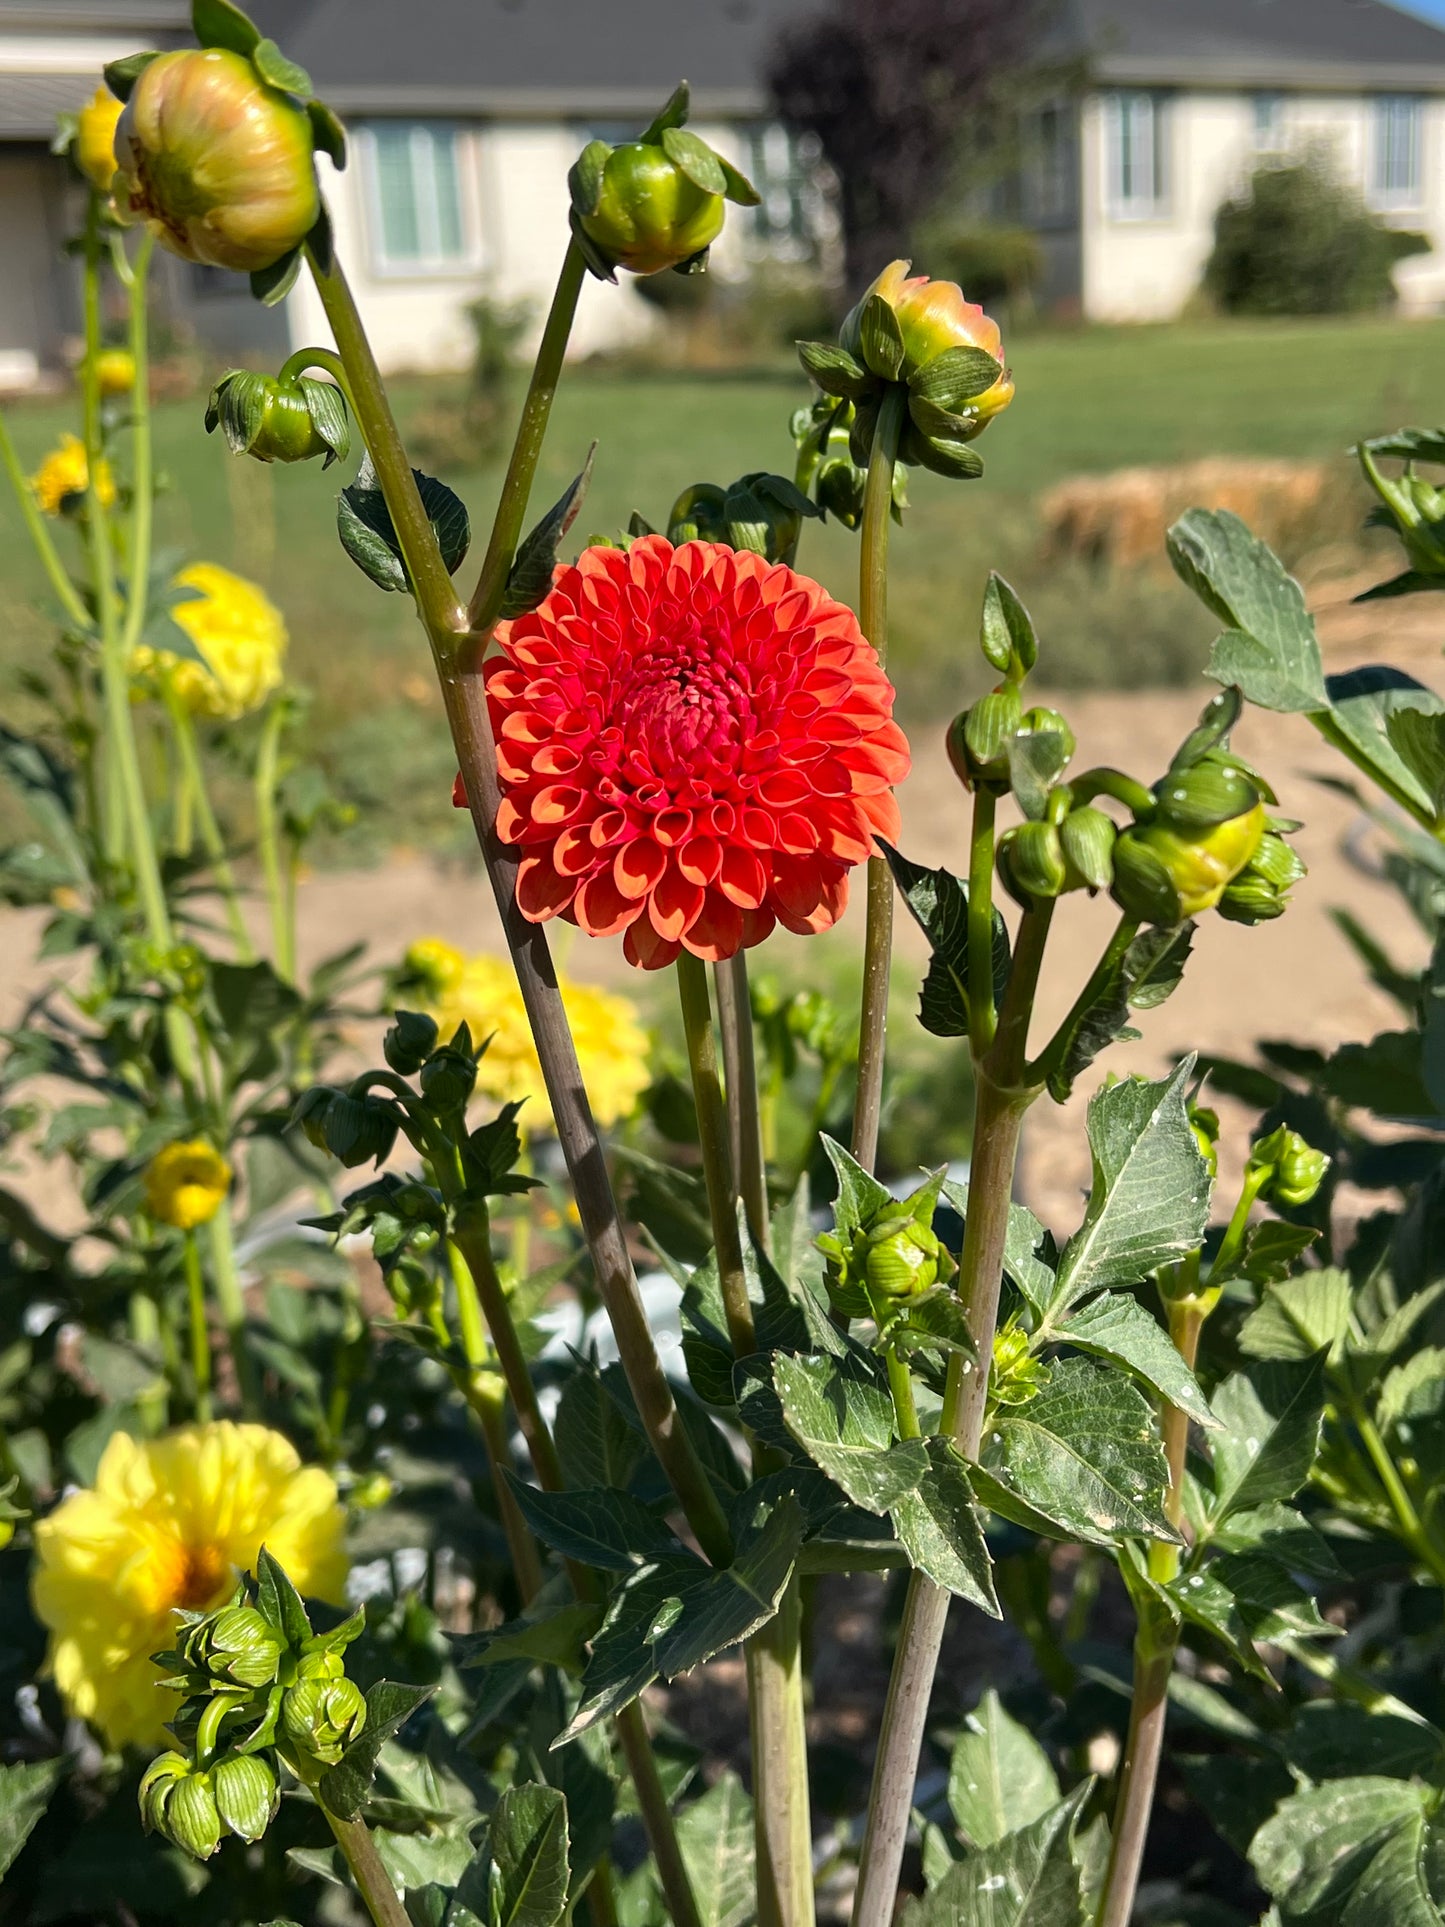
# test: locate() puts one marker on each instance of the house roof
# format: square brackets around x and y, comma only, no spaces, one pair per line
[1354,44]
[533,58]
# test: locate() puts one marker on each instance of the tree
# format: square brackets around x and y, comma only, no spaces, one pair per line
[892,88]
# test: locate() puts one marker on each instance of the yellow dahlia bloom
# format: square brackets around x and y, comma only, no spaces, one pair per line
[65,475]
[115,368]
[170,1523]
[186,1183]
[481,991]
[93,149]
[241,635]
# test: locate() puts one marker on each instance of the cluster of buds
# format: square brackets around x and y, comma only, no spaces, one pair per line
[279,418]
[761,512]
[1284,1170]
[215,149]
[653,203]
[942,352]
[1409,504]
[894,1254]
[823,435]
[254,1679]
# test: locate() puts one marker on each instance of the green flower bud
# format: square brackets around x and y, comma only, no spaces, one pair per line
[1417,510]
[1163,877]
[157,1784]
[1087,838]
[1050,722]
[894,1254]
[1015,1376]
[447,1079]
[245,1792]
[279,419]
[189,1816]
[902,1261]
[409,1042]
[235,1647]
[321,1716]
[978,738]
[217,162]
[310,1113]
[1031,863]
[357,1130]
[1205,1125]
[1260,892]
[761,512]
[1292,1171]
[1214,790]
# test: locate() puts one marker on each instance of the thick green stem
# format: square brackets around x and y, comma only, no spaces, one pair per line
[232,1305]
[712,1130]
[145,1331]
[1001,1101]
[465,698]
[142,457]
[982,1017]
[200,1328]
[657,1817]
[1137,1776]
[1124,934]
[268,838]
[183,731]
[373,1882]
[905,1407]
[878,929]
[46,552]
[1411,1526]
[782,1815]
[486,604]
[740,1066]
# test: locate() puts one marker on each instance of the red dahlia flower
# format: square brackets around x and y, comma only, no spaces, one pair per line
[693,744]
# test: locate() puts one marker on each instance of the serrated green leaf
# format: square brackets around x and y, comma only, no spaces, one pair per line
[528,1842]
[1418,738]
[1121,1329]
[278,1600]
[25,1792]
[530,576]
[1149,971]
[599,1526]
[1299,1316]
[1149,1203]
[938,904]
[999,1778]
[1317,1850]
[1271,652]
[840,1412]
[1083,1454]
[552,1631]
[1268,1254]
[1333,1740]
[1281,1534]
[1270,1430]
[1025,1241]
[389,1706]
[1027,1879]
[940,1528]
[1414,1392]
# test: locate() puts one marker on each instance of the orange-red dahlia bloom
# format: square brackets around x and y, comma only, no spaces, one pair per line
[694,744]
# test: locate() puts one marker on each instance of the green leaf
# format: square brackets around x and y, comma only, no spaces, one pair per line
[1417,737]
[1149,1204]
[1000,1778]
[1316,1854]
[217,23]
[1149,971]
[939,1527]
[597,1527]
[933,1321]
[1026,1240]
[1270,1417]
[278,1600]
[528,1842]
[1338,1740]
[595,1443]
[1299,1316]
[1362,707]
[715,1834]
[860,1196]
[1408,445]
[369,537]
[1414,1391]
[274,68]
[1027,1879]
[530,576]
[1121,1329]
[1268,1253]
[1271,652]
[122,75]
[1006,634]
[1247,1601]
[1037,758]
[938,904]
[691,154]
[1281,1534]
[49,790]
[270,286]
[551,1631]
[24,1795]
[327,132]
[389,1706]
[1083,1454]
[840,1412]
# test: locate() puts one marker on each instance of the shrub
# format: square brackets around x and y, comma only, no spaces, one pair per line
[1299,241]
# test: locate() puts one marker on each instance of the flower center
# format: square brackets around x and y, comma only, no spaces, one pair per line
[202,1572]
[686,707]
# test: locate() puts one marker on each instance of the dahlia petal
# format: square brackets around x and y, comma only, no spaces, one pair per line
[645,950]
[718,931]
[699,859]
[514,765]
[843,834]
[638,866]
[797,888]
[558,804]
[743,878]
[831,903]
[758,828]
[556,759]
[672,827]
[512,825]
[602,910]
[541,893]
[758,926]
[881,815]
[784,789]
[459,793]
[572,853]
[797,835]
[674,906]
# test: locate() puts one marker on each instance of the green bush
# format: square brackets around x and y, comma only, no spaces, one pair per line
[1300,241]
[992,265]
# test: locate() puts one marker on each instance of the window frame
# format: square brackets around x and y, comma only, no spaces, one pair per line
[1127,208]
[437,266]
[1396,200]
[1269,134]
[1049,173]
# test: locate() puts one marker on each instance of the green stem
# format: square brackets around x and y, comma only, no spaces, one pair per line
[1143,1746]
[486,604]
[1111,782]
[743,1100]
[1238,1226]
[712,1130]
[657,1816]
[1346,1683]
[465,698]
[1412,1527]
[982,1017]
[142,453]
[1046,1062]
[232,1304]
[145,1331]
[304,358]
[183,731]
[878,929]
[46,552]
[268,838]
[781,1814]
[482,1311]
[1002,1096]
[373,1882]
[900,1384]
[200,1327]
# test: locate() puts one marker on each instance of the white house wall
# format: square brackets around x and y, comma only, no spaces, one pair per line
[1148,269]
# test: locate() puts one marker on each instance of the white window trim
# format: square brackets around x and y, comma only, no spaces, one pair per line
[1133,212]
[442,268]
[1396,200]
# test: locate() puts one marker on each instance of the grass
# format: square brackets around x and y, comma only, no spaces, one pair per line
[1089,401]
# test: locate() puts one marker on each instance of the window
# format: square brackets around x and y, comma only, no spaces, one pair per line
[1396,174]
[1138,155]
[1048,165]
[1269,134]
[423,220]
[785,167]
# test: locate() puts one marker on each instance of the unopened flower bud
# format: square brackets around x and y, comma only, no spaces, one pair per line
[115,372]
[321,1717]
[978,738]
[1418,511]
[217,162]
[1015,1375]
[1031,863]
[1087,838]
[236,1646]
[357,1130]
[177,1800]
[158,1783]
[245,1793]
[1260,892]
[902,1261]
[409,1042]
[1163,877]
[448,1078]
[278,419]
[761,512]
[93,149]
[1040,721]
[1293,1171]
[1216,789]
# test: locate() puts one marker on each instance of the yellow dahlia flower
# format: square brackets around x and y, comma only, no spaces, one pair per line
[186,1183]
[63,477]
[115,368]
[241,635]
[93,148]
[481,991]
[170,1523]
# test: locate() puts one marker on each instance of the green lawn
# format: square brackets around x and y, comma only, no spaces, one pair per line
[1094,400]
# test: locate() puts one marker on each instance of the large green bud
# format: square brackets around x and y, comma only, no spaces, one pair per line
[893,1254]
[244,1789]
[761,512]
[279,418]
[1288,1171]
[177,1800]
[1031,864]
[653,203]
[1163,877]
[979,737]
[235,1646]
[322,1716]
[217,161]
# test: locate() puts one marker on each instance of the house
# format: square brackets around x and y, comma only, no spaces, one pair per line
[464,117]
[1183,100]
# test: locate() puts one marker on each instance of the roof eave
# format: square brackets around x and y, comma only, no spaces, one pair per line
[1283,73]
[541,103]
